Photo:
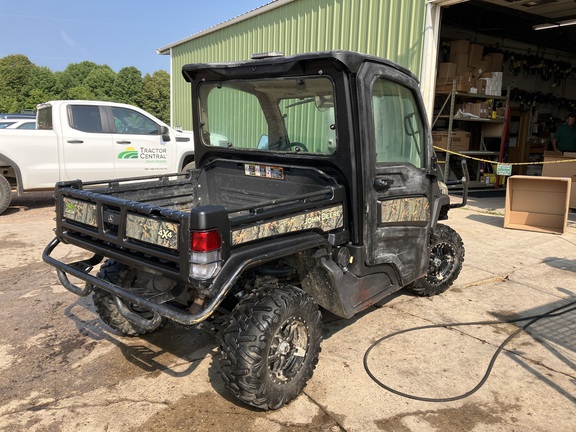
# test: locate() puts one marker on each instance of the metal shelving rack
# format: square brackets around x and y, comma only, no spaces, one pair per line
[482,153]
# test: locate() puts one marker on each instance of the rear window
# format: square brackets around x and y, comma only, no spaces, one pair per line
[44,117]
[288,115]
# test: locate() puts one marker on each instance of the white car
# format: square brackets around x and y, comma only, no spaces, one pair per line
[18,124]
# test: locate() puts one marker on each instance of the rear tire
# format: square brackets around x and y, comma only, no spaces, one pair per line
[121,275]
[446,258]
[271,346]
[5,194]
[189,166]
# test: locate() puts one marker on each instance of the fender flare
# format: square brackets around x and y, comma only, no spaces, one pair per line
[183,158]
[17,172]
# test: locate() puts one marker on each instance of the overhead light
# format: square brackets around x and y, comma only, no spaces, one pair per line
[567,22]
[545,26]
[554,25]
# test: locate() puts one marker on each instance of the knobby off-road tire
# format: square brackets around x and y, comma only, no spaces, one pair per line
[5,194]
[271,345]
[446,258]
[124,276]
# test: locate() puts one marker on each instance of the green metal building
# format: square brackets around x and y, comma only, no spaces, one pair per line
[404,31]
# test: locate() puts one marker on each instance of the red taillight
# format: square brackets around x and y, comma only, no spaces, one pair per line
[205,241]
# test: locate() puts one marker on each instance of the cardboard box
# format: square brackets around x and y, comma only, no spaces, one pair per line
[461,61]
[481,68]
[488,62]
[475,55]
[460,140]
[459,46]
[479,109]
[493,130]
[480,86]
[446,72]
[462,86]
[555,166]
[496,61]
[537,204]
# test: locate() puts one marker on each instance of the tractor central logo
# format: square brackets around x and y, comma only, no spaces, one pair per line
[129,153]
[145,154]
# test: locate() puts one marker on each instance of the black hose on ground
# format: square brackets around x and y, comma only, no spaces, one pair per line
[531,320]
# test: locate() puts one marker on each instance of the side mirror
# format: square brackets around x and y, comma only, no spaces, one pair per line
[165,132]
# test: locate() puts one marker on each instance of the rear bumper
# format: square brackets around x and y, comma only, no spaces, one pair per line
[241,260]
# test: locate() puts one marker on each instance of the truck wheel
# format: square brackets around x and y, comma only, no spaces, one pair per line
[188,167]
[446,258]
[271,345]
[5,194]
[121,275]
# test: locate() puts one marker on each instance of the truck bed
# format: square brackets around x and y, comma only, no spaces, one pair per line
[146,220]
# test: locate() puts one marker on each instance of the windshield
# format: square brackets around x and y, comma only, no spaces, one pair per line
[278,115]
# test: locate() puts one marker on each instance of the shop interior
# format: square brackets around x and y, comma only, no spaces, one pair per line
[506,81]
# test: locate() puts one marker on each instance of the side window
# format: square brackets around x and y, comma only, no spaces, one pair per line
[128,121]
[85,118]
[398,130]
[28,125]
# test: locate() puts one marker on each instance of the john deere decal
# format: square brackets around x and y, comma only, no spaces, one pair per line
[129,153]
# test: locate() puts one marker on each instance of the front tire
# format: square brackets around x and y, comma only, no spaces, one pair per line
[446,258]
[5,194]
[271,346]
[121,275]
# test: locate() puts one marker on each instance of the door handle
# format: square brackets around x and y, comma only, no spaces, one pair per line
[382,183]
[75,141]
[123,142]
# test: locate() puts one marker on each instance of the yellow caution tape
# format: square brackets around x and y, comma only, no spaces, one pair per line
[502,163]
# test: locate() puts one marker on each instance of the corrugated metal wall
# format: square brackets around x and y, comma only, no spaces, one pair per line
[393,29]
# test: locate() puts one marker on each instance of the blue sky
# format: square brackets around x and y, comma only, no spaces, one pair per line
[120,33]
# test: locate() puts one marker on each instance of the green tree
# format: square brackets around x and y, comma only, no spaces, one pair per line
[80,93]
[156,95]
[14,72]
[41,87]
[100,81]
[73,76]
[128,86]
[23,85]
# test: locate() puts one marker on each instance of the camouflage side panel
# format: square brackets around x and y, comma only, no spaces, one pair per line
[152,231]
[405,210]
[80,211]
[326,220]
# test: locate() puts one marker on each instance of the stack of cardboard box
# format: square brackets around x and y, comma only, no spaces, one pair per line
[473,71]
[460,140]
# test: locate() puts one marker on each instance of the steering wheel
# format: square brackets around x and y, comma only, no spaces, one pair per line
[297,147]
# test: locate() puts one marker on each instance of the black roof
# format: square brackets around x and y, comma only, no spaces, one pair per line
[349,60]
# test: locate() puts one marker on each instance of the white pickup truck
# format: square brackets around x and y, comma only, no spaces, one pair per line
[88,140]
